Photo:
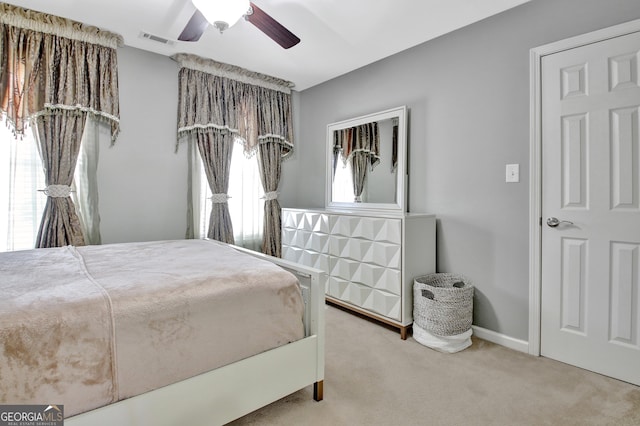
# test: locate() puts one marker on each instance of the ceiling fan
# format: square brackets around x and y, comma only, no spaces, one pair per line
[224,13]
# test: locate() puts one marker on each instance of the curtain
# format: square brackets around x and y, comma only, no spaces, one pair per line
[359,145]
[359,166]
[194,208]
[394,145]
[54,72]
[255,109]
[216,147]
[270,163]
[59,137]
[85,181]
[364,138]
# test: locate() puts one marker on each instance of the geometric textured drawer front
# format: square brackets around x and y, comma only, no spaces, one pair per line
[378,253]
[309,221]
[338,288]
[372,299]
[292,254]
[368,228]
[306,257]
[317,242]
[292,219]
[384,303]
[317,222]
[372,276]
[315,260]
[306,239]
[343,268]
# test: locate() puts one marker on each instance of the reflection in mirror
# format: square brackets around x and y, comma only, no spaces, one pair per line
[365,161]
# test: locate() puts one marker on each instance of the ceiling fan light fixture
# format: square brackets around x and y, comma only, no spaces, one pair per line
[222,14]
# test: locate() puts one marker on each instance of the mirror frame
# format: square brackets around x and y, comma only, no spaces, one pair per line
[400,205]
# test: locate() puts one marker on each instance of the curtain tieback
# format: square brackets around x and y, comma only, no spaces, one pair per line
[358,199]
[219,198]
[57,191]
[268,196]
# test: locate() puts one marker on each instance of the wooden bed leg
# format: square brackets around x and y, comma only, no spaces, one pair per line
[318,391]
[403,332]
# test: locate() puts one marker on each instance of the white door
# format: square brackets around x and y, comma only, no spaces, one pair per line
[590,178]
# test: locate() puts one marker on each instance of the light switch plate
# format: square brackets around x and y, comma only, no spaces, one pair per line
[513,173]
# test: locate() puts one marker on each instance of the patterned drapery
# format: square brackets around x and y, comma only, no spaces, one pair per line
[51,64]
[254,109]
[270,164]
[216,147]
[251,106]
[394,144]
[53,72]
[359,145]
[364,139]
[59,137]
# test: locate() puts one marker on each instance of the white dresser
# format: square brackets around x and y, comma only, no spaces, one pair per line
[371,259]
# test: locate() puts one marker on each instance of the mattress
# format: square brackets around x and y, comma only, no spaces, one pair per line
[88,326]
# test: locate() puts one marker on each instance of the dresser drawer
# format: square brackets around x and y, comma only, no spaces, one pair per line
[337,287]
[371,299]
[367,251]
[367,228]
[384,303]
[306,257]
[368,275]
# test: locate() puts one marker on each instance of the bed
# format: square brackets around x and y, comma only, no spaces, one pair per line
[167,332]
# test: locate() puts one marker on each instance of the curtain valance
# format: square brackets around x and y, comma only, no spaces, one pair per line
[364,139]
[254,107]
[53,65]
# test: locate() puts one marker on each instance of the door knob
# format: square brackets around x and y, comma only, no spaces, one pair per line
[554,221]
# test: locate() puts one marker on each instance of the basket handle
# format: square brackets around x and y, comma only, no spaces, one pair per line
[428,294]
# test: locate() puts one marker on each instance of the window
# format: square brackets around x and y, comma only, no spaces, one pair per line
[342,183]
[21,176]
[22,182]
[246,206]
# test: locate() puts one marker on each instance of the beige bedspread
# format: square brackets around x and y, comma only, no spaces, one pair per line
[88,326]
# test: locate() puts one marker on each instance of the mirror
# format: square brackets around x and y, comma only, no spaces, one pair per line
[366,162]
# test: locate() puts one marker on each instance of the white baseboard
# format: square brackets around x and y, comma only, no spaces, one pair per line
[501,339]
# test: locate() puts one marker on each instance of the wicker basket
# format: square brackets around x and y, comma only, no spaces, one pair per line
[443,303]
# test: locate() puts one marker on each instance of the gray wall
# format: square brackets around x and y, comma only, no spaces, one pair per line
[468,96]
[142,181]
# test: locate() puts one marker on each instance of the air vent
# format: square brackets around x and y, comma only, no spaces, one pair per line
[156,38]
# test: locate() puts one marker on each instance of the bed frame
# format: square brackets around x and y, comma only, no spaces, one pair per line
[228,393]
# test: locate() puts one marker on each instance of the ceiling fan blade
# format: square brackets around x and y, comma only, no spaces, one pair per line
[272,28]
[195,27]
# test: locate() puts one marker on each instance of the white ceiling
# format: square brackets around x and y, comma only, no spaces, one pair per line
[337,36]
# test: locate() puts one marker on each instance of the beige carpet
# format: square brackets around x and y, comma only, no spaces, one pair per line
[374,378]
